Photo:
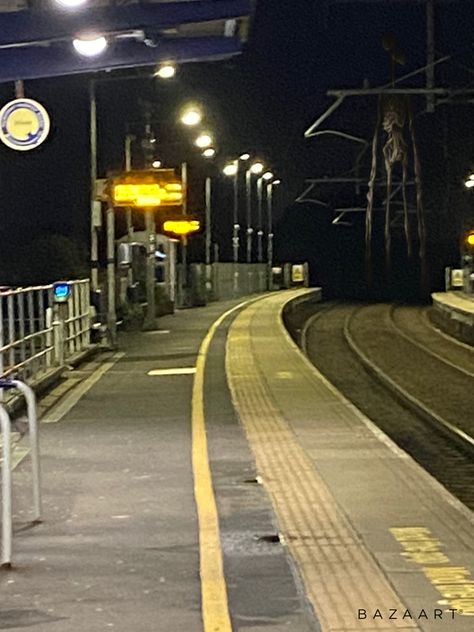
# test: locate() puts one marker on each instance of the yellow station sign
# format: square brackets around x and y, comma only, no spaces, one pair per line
[142,189]
[181,227]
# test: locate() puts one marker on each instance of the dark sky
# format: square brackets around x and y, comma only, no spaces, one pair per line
[262,102]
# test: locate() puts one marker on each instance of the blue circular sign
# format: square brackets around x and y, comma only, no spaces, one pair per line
[24,124]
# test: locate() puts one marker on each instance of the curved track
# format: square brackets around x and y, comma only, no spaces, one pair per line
[413,382]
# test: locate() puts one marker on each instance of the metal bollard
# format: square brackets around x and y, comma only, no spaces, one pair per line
[30,398]
[7,526]
[7,529]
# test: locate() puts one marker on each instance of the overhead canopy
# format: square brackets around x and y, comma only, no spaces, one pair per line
[37,42]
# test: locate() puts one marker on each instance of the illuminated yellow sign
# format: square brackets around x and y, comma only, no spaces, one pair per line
[181,227]
[147,189]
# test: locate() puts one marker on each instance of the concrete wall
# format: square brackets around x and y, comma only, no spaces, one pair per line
[453,313]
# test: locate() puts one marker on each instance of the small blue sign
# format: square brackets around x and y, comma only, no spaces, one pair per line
[61,292]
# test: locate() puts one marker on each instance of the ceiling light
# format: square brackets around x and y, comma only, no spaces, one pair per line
[70,4]
[90,46]
[166,71]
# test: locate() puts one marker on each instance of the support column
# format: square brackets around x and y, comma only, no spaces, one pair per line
[150,316]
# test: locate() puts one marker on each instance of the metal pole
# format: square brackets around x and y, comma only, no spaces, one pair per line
[235,232]
[269,233]
[30,398]
[248,190]
[2,344]
[150,316]
[184,241]
[128,167]
[93,152]
[111,314]
[430,55]
[236,227]
[7,527]
[208,220]
[259,220]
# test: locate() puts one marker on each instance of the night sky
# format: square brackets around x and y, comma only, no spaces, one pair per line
[261,101]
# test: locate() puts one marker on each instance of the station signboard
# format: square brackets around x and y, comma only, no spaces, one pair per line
[147,189]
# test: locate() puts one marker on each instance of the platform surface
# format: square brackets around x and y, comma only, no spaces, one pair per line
[154,521]
[455,300]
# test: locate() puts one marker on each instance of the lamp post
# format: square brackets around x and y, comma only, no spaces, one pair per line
[94,221]
[256,168]
[270,186]
[266,177]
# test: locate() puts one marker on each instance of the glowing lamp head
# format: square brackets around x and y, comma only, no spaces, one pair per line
[70,4]
[470,239]
[166,71]
[156,164]
[256,168]
[276,182]
[191,117]
[90,45]
[469,184]
[210,152]
[203,141]
[268,175]
[244,157]
[230,169]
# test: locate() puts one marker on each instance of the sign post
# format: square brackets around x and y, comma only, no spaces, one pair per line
[148,190]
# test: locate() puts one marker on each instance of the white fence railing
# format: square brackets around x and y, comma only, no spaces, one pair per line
[36,334]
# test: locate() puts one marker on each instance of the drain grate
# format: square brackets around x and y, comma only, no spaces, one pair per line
[272,538]
[257,480]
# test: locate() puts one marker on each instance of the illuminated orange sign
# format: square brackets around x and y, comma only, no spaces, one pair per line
[181,227]
[142,189]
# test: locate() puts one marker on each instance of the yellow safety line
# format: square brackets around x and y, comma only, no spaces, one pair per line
[215,608]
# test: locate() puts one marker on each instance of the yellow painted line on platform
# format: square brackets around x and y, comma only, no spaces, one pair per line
[215,608]
[187,370]
[64,406]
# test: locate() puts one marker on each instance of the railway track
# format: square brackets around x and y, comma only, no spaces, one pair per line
[415,383]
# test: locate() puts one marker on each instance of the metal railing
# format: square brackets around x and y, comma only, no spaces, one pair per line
[36,334]
[6,548]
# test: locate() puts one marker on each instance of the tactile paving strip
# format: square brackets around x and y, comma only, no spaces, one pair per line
[338,572]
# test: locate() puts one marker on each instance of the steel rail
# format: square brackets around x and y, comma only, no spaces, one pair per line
[463,440]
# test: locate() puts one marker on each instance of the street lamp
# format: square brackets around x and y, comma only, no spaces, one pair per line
[255,168]
[270,186]
[203,141]
[191,116]
[156,164]
[210,152]
[266,177]
[469,183]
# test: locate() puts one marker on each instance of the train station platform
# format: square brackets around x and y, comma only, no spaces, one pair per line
[453,313]
[210,479]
